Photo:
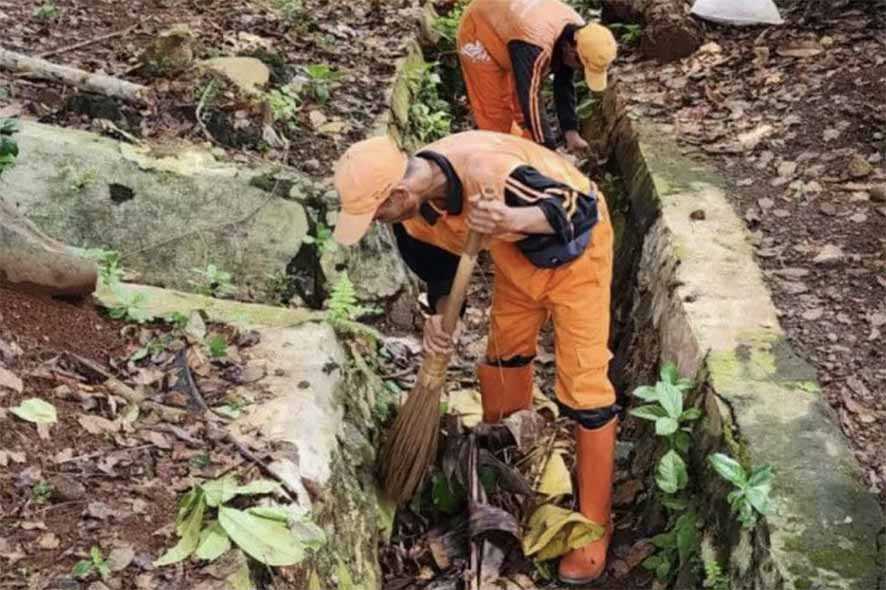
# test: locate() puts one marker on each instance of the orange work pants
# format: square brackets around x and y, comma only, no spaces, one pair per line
[491,88]
[576,296]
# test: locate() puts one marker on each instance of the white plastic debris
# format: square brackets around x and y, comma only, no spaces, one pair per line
[738,12]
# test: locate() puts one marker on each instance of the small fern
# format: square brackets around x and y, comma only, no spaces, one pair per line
[343,304]
[714,578]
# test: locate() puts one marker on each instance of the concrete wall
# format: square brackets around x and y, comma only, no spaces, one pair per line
[700,291]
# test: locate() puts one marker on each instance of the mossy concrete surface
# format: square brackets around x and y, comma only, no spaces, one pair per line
[167,210]
[715,319]
[161,303]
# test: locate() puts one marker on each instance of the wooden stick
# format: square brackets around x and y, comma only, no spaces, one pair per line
[261,464]
[475,497]
[86,43]
[98,83]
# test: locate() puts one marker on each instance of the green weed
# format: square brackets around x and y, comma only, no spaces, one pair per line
[47,11]
[714,578]
[271,534]
[751,494]
[110,270]
[217,346]
[285,103]
[213,282]
[130,307]
[42,492]
[322,239]
[8,145]
[430,117]
[96,563]
[343,304]
[320,79]
[629,34]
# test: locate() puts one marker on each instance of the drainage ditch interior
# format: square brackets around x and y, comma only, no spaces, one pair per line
[431,542]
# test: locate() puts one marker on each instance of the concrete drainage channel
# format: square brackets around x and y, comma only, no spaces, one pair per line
[687,290]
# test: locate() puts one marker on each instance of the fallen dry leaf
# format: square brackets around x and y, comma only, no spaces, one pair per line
[31,525]
[120,558]
[48,541]
[97,424]
[9,380]
[555,480]
[800,48]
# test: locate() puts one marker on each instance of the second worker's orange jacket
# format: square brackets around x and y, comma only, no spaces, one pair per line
[517,38]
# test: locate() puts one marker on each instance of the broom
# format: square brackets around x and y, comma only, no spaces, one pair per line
[412,443]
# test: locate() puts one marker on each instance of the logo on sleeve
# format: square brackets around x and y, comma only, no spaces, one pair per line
[476,52]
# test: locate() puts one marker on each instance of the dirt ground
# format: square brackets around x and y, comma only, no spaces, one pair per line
[794,117]
[358,42]
[107,474]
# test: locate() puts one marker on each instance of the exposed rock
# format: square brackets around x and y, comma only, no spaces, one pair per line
[171,52]
[248,73]
[67,488]
[33,261]
[878,193]
[787,168]
[859,167]
[168,211]
[829,254]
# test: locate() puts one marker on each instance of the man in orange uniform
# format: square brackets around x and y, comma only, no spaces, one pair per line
[507,48]
[551,243]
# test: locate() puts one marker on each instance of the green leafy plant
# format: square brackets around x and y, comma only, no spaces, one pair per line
[343,304]
[430,117]
[675,547]
[586,101]
[207,527]
[320,78]
[42,492]
[665,408]
[8,145]
[130,306]
[177,320]
[217,346]
[323,239]
[153,347]
[447,27]
[751,494]
[293,11]
[46,11]
[714,578]
[671,422]
[110,270]
[96,563]
[285,103]
[627,34]
[213,282]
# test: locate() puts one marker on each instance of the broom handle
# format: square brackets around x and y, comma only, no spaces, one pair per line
[466,265]
[457,294]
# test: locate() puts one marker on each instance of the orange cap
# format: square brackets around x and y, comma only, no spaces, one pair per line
[364,177]
[596,49]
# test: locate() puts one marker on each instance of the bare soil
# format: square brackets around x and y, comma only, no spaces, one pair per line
[793,116]
[106,475]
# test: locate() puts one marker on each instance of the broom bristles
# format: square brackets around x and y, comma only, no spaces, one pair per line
[412,443]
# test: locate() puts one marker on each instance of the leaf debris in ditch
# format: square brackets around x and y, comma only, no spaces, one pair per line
[554,531]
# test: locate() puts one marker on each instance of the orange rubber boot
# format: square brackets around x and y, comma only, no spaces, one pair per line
[504,390]
[595,473]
